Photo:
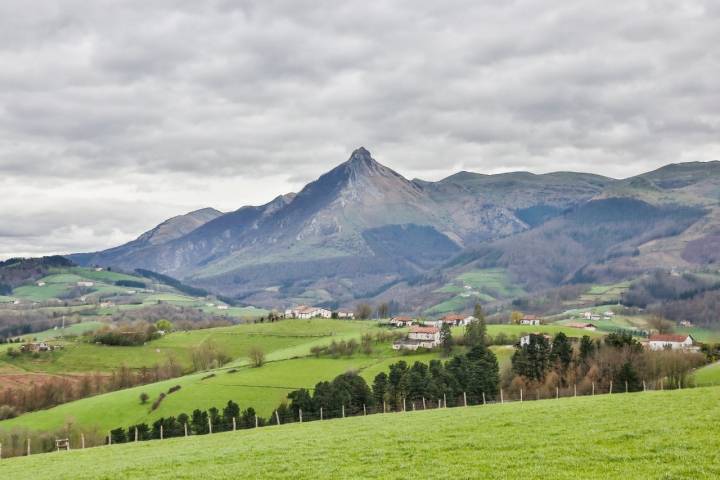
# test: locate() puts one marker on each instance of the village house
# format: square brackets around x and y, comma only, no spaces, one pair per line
[686,323]
[452,319]
[587,315]
[584,326]
[401,321]
[671,341]
[530,320]
[222,307]
[525,339]
[345,314]
[84,283]
[419,337]
[305,312]
[608,314]
[36,347]
[40,284]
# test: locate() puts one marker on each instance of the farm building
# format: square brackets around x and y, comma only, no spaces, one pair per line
[583,325]
[37,347]
[419,337]
[671,341]
[345,314]
[40,284]
[401,321]
[84,283]
[530,320]
[525,339]
[222,307]
[304,312]
[452,319]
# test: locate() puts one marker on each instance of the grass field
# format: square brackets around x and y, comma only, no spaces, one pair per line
[670,435]
[485,285]
[708,375]
[235,341]
[519,330]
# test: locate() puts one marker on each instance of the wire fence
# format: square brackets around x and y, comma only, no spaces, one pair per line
[172,428]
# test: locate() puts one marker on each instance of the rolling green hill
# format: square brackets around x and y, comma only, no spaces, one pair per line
[643,435]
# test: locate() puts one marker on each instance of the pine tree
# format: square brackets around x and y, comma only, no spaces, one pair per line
[446,340]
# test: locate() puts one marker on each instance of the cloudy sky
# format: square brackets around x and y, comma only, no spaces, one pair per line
[117,115]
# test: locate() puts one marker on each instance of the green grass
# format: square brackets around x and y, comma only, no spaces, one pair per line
[670,435]
[486,285]
[235,341]
[708,375]
[519,330]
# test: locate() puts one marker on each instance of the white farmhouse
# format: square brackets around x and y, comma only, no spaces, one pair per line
[305,312]
[345,314]
[84,283]
[671,341]
[419,337]
[530,320]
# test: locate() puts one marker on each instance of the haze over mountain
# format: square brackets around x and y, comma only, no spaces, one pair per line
[362,230]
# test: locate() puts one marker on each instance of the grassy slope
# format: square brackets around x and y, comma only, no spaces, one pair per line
[234,341]
[591,437]
[708,375]
[261,388]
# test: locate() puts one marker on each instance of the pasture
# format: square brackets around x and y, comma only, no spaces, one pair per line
[671,434]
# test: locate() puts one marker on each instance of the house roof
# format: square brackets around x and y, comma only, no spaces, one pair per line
[424,330]
[579,325]
[668,337]
[453,317]
[401,318]
[529,317]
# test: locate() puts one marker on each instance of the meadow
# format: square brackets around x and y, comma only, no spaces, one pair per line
[671,435]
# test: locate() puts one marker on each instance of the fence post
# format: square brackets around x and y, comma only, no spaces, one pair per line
[465,398]
[136,434]
[423,403]
[557,392]
[300,411]
[445,400]
[610,387]
[210,425]
[483,393]
[644,386]
[403,404]
[439,403]
[82,440]
[343,409]
[256,421]
[521,396]
[364,410]
[626,387]
[321,412]
[162,436]
[537,394]
[575,390]
[0,451]
[109,438]
[412,406]
[235,423]
[502,400]
[661,385]
[28,447]
[185,429]
[593,388]
[277,417]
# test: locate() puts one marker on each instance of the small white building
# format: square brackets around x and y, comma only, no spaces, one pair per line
[40,283]
[419,337]
[305,312]
[222,307]
[345,314]
[525,339]
[671,341]
[401,321]
[530,320]
[587,315]
[84,283]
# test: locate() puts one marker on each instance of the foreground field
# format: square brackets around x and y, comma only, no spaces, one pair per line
[643,435]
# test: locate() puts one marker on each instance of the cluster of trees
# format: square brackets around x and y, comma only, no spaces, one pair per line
[209,355]
[126,334]
[198,422]
[173,282]
[473,374]
[130,284]
[51,391]
[542,365]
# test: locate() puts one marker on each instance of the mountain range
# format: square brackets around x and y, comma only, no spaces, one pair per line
[363,231]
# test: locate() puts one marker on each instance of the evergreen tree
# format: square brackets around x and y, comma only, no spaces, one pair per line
[232,410]
[587,348]
[561,350]
[476,330]
[446,340]
[380,387]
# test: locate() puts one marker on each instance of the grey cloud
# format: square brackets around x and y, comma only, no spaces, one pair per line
[175,101]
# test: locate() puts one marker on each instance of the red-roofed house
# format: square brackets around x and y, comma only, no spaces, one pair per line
[584,326]
[401,321]
[671,341]
[419,337]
